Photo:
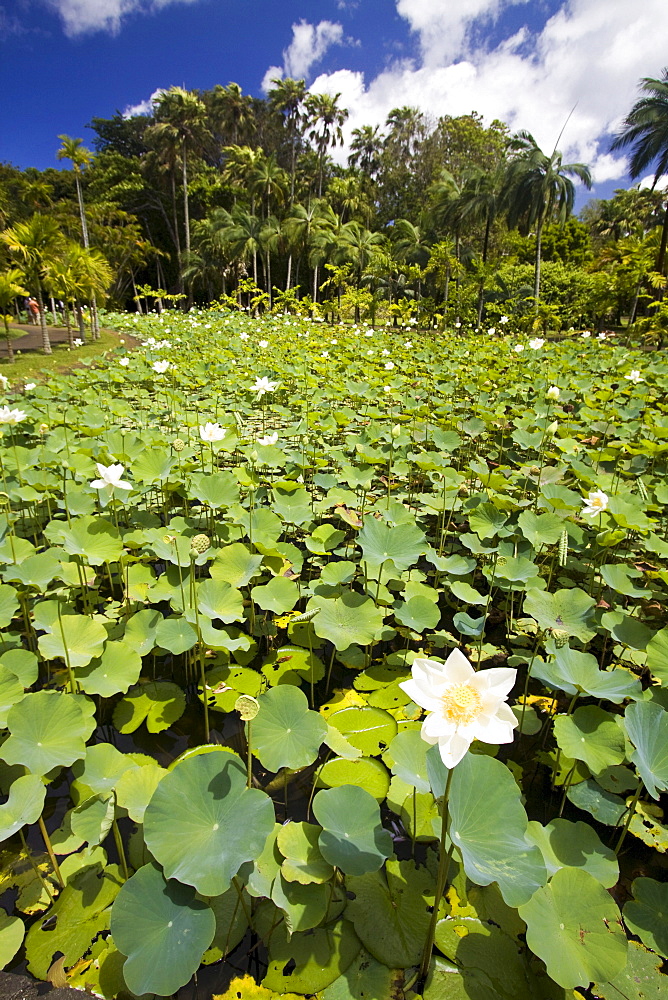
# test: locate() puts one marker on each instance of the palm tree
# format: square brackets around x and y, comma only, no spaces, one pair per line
[232,109]
[366,145]
[481,200]
[326,119]
[538,189]
[74,150]
[10,288]
[287,96]
[268,181]
[36,244]
[304,225]
[181,123]
[645,130]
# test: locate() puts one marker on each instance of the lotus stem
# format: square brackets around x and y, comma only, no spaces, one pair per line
[441,880]
[49,850]
[631,814]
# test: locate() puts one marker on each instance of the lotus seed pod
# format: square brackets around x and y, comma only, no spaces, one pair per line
[178,444]
[560,637]
[200,543]
[247,707]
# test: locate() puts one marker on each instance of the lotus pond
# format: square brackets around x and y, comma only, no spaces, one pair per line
[222,555]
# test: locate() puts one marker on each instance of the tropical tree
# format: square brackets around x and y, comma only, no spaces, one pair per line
[366,146]
[481,200]
[10,288]
[36,244]
[326,119]
[74,150]
[287,96]
[645,131]
[539,190]
[232,109]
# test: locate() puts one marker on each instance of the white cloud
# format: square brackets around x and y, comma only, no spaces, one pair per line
[309,44]
[144,107]
[586,59]
[82,16]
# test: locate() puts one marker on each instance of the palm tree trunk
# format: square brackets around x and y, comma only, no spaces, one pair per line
[287,282]
[186,207]
[661,259]
[315,283]
[10,350]
[177,238]
[536,282]
[46,343]
[84,226]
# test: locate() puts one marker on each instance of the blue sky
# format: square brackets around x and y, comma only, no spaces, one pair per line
[528,62]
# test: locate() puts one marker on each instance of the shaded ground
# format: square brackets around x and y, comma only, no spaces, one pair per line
[14,987]
[32,338]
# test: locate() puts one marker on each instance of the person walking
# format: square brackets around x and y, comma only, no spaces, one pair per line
[33,311]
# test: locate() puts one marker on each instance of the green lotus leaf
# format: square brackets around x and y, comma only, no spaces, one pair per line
[11,692]
[486,520]
[152,465]
[80,913]
[371,730]
[573,671]
[417,811]
[291,665]
[38,570]
[76,638]
[298,843]
[219,489]
[657,656]
[647,728]
[225,684]
[352,837]
[407,758]
[261,874]
[464,592]
[231,911]
[540,529]
[418,613]
[24,805]
[159,703]
[223,823]
[91,820]
[279,595]
[574,845]
[618,577]
[217,599]
[286,733]
[100,771]
[325,538]
[9,604]
[294,505]
[113,673]
[47,730]
[346,620]
[140,631]
[163,929]
[566,611]
[592,735]
[320,956]
[337,742]
[23,664]
[12,932]
[640,979]
[175,634]
[574,926]
[92,537]
[647,913]
[488,824]
[304,906]
[135,788]
[390,913]
[403,544]
[365,772]
[234,564]
[364,979]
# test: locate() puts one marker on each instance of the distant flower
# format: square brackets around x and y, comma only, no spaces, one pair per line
[263,385]
[634,376]
[553,392]
[595,503]
[457,325]
[8,416]
[492,330]
[325,354]
[78,342]
[4,383]
[264,343]
[387,388]
[110,478]
[160,367]
[124,362]
[369,353]
[504,319]
[268,439]
[585,334]
[601,335]
[518,348]
[536,343]
[242,336]
[29,386]
[463,704]
[212,432]
[389,365]
[385,352]
[408,343]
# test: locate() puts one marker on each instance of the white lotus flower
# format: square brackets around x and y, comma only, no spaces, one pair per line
[463,704]
[408,343]
[212,432]
[536,343]
[518,348]
[492,330]
[124,362]
[385,352]
[160,367]
[325,354]
[78,342]
[585,334]
[264,343]
[504,319]
[268,439]
[29,386]
[242,336]
[4,382]
[553,392]
[601,335]
[634,376]
[13,417]
[389,365]
[110,478]
[263,385]
[595,503]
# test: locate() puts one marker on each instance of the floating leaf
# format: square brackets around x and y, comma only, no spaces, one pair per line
[371,730]
[390,914]
[568,611]
[12,932]
[231,911]
[640,979]
[647,913]
[47,730]
[163,929]
[346,620]
[159,703]
[574,845]
[286,733]
[574,925]
[352,837]
[364,979]
[592,735]
[298,843]
[365,772]
[320,956]
[223,823]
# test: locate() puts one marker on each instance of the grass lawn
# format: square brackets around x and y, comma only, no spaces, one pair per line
[35,365]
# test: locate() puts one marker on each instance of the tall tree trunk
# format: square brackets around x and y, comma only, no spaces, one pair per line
[539,245]
[10,349]
[269,277]
[661,259]
[46,343]
[186,207]
[84,226]
[315,283]
[287,281]
[177,238]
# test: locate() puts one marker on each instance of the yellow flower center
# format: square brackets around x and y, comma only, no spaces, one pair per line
[461,704]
